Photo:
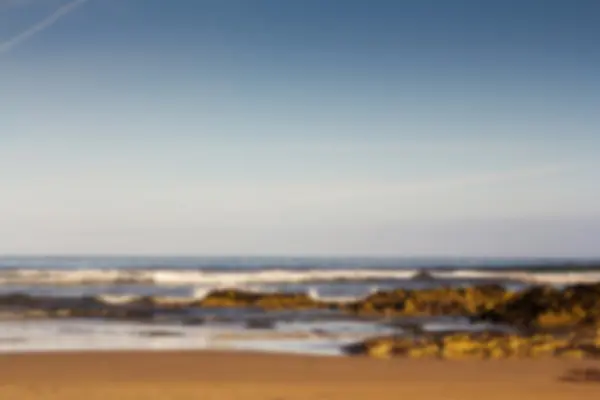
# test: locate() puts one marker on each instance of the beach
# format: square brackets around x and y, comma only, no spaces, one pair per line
[128,331]
[254,376]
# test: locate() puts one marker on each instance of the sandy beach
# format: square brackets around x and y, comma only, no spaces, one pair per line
[211,375]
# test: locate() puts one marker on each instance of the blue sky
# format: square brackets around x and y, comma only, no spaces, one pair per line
[312,127]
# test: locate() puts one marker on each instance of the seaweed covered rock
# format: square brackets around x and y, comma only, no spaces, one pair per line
[463,347]
[466,346]
[533,310]
[19,300]
[390,346]
[544,307]
[434,302]
[229,298]
[268,301]
[425,349]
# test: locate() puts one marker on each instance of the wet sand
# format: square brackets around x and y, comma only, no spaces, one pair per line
[247,376]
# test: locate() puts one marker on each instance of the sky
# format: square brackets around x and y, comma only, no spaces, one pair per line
[301,127]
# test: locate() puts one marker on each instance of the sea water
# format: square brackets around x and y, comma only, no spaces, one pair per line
[311,332]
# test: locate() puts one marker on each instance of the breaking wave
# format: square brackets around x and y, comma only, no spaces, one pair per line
[186,277]
[546,278]
[212,279]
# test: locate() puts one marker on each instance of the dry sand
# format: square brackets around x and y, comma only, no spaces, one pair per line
[245,376]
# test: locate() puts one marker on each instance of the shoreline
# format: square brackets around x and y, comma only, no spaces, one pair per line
[497,322]
[253,376]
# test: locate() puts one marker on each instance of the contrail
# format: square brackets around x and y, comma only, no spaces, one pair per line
[44,24]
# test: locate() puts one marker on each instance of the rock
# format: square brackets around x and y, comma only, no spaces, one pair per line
[550,319]
[544,307]
[434,302]
[423,275]
[160,333]
[260,323]
[426,350]
[193,321]
[62,313]
[464,346]
[123,313]
[355,349]
[545,345]
[518,346]
[268,301]
[542,350]
[539,308]
[19,300]
[381,349]
[36,314]
[499,352]
[591,351]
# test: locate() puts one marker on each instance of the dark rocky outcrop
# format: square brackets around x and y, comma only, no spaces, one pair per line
[268,301]
[434,302]
[484,345]
[544,307]
[68,307]
[260,323]
[539,308]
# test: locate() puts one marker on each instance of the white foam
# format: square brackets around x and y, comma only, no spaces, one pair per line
[189,277]
[117,299]
[471,274]
[557,278]
[74,335]
[34,336]
[213,279]
[338,329]
[276,276]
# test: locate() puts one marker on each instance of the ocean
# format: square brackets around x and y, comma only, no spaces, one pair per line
[322,332]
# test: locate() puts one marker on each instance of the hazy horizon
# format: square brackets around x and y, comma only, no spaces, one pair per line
[274,256]
[315,127]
